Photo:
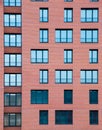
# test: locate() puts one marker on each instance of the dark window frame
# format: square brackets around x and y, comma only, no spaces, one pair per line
[93,60]
[94,115]
[42,79]
[42,39]
[15,3]
[42,18]
[67,19]
[43,117]
[68,60]
[93,96]
[68,96]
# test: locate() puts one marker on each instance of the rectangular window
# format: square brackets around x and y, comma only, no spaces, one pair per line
[12,99]
[68,15]
[93,117]
[12,80]
[43,14]
[12,59]
[12,20]
[43,117]
[63,76]
[94,0]
[68,96]
[89,76]
[93,96]
[68,0]
[39,96]
[43,76]
[64,36]
[68,56]
[44,35]
[89,15]
[89,36]
[12,119]
[63,117]
[39,56]
[12,40]
[12,2]
[93,56]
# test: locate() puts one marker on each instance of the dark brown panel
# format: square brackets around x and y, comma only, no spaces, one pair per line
[12,128]
[12,30]
[12,50]
[12,109]
[12,9]
[12,89]
[12,69]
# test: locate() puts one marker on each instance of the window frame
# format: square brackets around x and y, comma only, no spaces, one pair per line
[68,60]
[41,119]
[59,37]
[91,79]
[42,38]
[41,19]
[60,79]
[44,99]
[91,56]
[93,96]
[66,17]
[15,3]
[93,119]
[92,17]
[43,80]
[35,59]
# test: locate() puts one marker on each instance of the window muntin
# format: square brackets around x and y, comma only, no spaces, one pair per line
[12,2]
[68,56]
[12,20]
[93,96]
[12,59]
[63,77]
[64,36]
[12,40]
[39,56]
[89,76]
[93,56]
[12,80]
[89,15]
[68,96]
[68,15]
[93,117]
[12,99]
[43,76]
[12,119]
[43,117]
[39,96]
[63,117]
[89,36]
[43,14]
[43,35]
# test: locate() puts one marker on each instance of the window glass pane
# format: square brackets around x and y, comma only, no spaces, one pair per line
[89,15]
[6,120]
[88,76]
[18,119]
[7,80]
[18,38]
[18,20]
[6,100]
[19,99]
[12,80]
[12,120]
[12,60]
[6,40]
[12,20]
[12,99]
[39,56]
[89,36]
[82,76]
[19,80]
[6,60]
[6,19]
[82,15]
[63,77]
[12,40]
[63,36]
[57,36]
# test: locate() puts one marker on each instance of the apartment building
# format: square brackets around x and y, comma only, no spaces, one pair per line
[50,65]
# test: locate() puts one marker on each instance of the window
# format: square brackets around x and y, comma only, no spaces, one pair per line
[64,36]
[68,15]
[12,20]
[93,56]
[39,56]
[39,97]
[89,36]
[63,76]
[93,117]
[12,119]
[12,99]
[68,56]
[43,35]
[89,15]
[94,0]
[12,40]
[43,117]
[68,0]
[12,2]
[12,80]
[63,117]
[12,59]
[93,96]
[89,76]
[68,96]
[43,14]
[43,76]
